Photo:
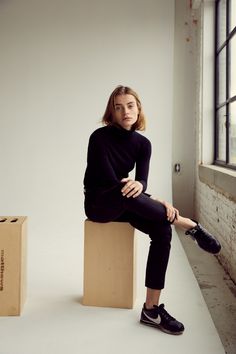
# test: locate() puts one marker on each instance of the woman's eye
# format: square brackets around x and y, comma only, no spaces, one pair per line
[130,106]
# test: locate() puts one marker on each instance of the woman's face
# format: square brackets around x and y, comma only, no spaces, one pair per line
[125,111]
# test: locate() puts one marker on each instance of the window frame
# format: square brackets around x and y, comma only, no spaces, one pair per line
[229,100]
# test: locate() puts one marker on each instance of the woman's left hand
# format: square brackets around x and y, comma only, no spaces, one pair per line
[172,212]
[131,188]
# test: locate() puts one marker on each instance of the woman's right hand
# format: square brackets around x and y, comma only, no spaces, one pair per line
[131,188]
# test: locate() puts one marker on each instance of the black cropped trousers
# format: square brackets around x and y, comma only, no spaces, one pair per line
[143,213]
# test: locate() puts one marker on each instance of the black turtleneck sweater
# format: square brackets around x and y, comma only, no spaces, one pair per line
[113,152]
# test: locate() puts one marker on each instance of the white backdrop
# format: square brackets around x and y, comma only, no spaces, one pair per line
[59,62]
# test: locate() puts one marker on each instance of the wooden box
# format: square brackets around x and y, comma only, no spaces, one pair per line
[13,234]
[109,264]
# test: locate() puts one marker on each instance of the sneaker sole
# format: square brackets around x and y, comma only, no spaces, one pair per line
[146,323]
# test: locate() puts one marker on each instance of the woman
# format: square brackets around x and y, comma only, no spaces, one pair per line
[111,195]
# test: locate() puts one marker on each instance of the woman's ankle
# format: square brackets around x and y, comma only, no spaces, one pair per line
[185,223]
[149,306]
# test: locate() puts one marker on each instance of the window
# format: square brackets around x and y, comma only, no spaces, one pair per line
[225,84]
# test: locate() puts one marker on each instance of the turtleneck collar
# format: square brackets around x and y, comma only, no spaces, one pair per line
[120,131]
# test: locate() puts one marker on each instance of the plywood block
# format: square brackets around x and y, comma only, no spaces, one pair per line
[13,238]
[109,264]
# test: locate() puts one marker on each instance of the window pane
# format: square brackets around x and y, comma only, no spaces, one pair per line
[221,119]
[233,66]
[233,132]
[221,23]
[233,15]
[222,76]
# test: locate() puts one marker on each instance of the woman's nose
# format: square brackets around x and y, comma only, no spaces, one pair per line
[125,110]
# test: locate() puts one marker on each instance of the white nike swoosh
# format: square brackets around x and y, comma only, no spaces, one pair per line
[155,320]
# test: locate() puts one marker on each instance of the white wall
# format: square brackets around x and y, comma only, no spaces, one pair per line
[59,62]
[184,143]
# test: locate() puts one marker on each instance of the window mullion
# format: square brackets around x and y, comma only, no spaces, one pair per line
[216,82]
[227,83]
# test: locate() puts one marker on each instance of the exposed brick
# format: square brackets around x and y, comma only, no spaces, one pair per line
[218,215]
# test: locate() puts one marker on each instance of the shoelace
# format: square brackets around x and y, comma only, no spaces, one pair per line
[193,230]
[196,229]
[204,234]
[164,314]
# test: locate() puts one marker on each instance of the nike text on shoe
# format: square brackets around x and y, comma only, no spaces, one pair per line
[158,317]
[204,239]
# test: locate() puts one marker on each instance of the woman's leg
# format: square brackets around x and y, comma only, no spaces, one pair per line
[153,295]
[184,223]
[158,256]
[150,217]
[152,298]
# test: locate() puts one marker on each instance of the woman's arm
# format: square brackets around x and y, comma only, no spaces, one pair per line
[99,170]
[142,163]
[133,188]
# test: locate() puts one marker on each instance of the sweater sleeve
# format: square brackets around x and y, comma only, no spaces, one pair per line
[100,172]
[142,164]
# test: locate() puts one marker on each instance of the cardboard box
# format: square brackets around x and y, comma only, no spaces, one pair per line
[13,238]
[109,264]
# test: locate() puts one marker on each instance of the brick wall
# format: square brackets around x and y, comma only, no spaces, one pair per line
[218,214]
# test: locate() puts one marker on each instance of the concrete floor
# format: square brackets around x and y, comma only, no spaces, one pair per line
[218,290]
[55,322]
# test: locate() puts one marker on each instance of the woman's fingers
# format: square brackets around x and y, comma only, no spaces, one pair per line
[131,188]
[171,212]
[176,213]
[126,179]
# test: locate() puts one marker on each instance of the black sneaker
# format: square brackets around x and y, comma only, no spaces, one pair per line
[204,239]
[158,317]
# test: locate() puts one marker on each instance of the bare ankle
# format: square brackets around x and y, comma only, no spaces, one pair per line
[149,306]
[184,223]
[193,223]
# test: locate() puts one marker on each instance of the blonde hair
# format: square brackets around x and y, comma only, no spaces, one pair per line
[124,90]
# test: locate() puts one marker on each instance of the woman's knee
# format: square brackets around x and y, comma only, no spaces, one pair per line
[162,234]
[147,208]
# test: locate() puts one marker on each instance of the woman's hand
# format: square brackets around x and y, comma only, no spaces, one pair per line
[131,188]
[171,212]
